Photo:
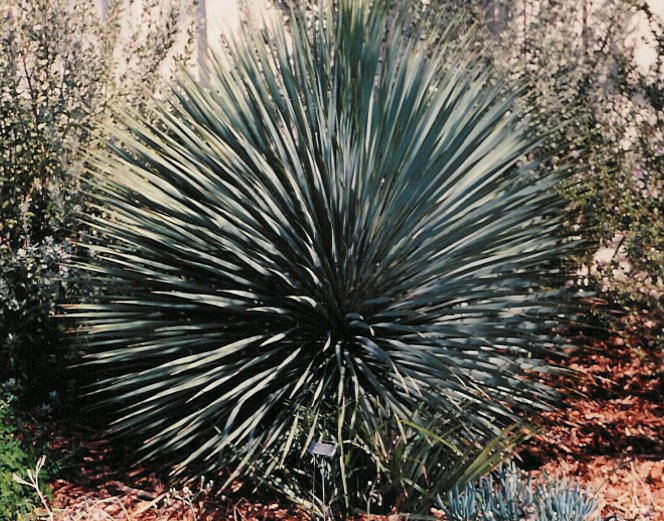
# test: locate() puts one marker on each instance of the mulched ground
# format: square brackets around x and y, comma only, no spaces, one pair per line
[100,488]
[610,436]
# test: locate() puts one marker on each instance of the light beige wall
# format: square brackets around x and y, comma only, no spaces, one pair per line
[212,18]
[226,15]
[642,38]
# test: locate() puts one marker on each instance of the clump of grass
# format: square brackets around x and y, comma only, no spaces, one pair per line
[510,495]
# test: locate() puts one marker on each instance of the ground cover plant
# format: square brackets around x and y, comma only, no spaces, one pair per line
[347,236]
[510,495]
[17,459]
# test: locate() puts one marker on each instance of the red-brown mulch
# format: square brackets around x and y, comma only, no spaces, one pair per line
[102,489]
[611,434]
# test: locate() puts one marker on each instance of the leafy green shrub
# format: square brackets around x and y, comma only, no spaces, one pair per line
[33,281]
[510,495]
[343,237]
[58,77]
[15,458]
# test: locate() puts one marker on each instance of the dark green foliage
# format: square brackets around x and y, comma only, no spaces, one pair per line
[16,457]
[41,100]
[33,281]
[510,495]
[344,237]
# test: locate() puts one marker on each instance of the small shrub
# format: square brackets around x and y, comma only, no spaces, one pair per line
[35,279]
[16,459]
[510,495]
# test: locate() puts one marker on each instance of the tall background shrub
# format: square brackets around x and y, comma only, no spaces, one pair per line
[585,63]
[61,69]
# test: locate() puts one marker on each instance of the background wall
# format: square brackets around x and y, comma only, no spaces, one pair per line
[214,17]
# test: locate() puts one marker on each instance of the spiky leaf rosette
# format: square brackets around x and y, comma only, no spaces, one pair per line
[341,225]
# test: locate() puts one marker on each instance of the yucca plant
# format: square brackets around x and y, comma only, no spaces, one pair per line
[341,235]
